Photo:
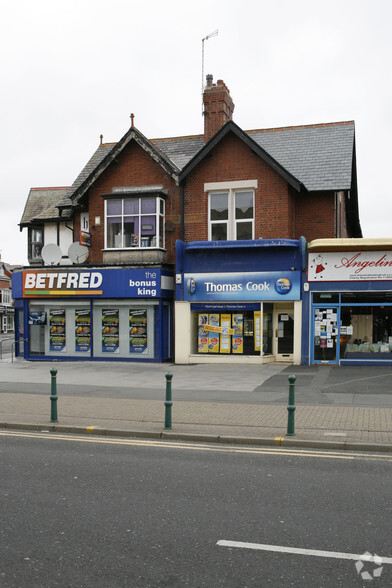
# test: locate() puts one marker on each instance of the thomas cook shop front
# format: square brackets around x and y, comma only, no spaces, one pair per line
[239,301]
[94,314]
[347,306]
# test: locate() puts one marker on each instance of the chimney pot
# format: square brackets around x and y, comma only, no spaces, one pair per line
[209,80]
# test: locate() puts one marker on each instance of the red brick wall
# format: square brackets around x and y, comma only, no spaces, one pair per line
[315,215]
[232,160]
[132,168]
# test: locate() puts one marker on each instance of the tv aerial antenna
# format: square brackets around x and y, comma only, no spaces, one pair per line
[213,34]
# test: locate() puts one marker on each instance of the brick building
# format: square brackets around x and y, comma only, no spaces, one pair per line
[6,302]
[134,199]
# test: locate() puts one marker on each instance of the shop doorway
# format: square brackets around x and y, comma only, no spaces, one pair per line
[284,331]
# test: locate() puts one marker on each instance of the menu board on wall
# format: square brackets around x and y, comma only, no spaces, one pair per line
[82,329]
[137,330]
[57,330]
[110,338]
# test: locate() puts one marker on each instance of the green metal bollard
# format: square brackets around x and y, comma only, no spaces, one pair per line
[168,402]
[291,406]
[53,397]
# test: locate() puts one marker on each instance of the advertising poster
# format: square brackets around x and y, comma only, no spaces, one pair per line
[213,336]
[202,333]
[57,330]
[110,339]
[257,333]
[82,330]
[225,337]
[137,330]
[238,337]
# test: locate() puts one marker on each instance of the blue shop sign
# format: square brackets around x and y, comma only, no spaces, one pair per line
[96,283]
[242,286]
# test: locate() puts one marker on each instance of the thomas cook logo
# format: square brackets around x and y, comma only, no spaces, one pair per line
[191,286]
[283,286]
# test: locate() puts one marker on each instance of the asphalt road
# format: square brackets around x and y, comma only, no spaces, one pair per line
[118,513]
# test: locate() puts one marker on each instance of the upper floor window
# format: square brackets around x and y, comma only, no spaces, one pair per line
[36,242]
[5,296]
[135,222]
[231,215]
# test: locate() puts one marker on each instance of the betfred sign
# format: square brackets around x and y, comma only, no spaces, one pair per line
[64,281]
[347,266]
[105,283]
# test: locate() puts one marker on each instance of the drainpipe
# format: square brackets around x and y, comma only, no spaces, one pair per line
[182,212]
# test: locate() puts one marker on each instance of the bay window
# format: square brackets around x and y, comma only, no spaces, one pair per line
[134,222]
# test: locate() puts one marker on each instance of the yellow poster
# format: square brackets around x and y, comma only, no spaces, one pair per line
[213,337]
[237,338]
[257,333]
[202,334]
[226,331]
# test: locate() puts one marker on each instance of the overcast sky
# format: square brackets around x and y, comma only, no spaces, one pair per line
[71,71]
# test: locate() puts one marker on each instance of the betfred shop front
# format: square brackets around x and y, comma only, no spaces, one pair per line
[94,314]
[238,301]
[349,308]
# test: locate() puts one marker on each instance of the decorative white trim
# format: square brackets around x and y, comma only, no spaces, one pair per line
[235,185]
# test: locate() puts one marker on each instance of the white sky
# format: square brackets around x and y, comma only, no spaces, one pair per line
[73,70]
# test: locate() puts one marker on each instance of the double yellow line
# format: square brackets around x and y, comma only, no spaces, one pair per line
[192,446]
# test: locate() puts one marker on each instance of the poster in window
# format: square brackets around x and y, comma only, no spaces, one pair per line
[57,330]
[110,339]
[202,333]
[82,330]
[137,330]
[213,335]
[225,333]
[238,337]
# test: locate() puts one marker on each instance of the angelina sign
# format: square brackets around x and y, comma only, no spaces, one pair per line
[340,266]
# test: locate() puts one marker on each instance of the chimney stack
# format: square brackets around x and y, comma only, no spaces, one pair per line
[218,107]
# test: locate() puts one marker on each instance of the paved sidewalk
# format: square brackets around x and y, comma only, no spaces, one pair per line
[99,398]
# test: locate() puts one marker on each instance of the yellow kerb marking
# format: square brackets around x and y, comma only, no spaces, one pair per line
[90,429]
[279,440]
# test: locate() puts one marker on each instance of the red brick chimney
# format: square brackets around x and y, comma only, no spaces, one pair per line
[218,107]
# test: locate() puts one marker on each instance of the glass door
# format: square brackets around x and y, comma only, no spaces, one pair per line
[325,334]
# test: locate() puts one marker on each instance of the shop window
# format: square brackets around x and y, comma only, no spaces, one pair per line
[233,333]
[231,215]
[365,330]
[135,222]
[36,242]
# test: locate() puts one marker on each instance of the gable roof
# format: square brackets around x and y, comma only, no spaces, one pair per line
[231,127]
[104,156]
[319,157]
[42,205]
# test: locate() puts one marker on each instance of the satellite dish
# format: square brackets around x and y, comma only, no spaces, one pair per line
[51,254]
[78,253]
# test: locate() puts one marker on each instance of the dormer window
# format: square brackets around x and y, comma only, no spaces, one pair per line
[134,223]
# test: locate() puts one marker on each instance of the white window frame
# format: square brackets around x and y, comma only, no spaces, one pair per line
[159,201]
[231,189]
[6,297]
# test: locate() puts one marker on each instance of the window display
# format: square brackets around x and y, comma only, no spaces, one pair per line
[229,332]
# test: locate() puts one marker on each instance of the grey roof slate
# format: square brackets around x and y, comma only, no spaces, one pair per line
[319,156]
[180,150]
[42,204]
